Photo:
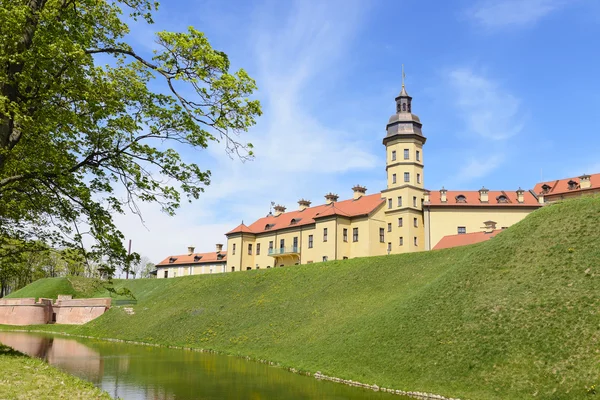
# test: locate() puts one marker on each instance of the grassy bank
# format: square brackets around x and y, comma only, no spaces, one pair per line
[512,318]
[30,378]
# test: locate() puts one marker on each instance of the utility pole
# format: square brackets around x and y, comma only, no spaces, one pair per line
[128,261]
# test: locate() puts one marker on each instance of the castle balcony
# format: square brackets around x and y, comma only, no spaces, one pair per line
[285,251]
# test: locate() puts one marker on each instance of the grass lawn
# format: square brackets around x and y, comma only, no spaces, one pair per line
[515,317]
[22,377]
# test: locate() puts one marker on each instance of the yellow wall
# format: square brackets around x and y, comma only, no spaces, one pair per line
[445,221]
[184,270]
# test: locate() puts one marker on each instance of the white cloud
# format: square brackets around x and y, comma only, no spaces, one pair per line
[488,110]
[496,14]
[476,168]
[297,154]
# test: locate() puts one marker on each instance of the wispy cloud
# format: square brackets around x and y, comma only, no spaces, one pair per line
[489,111]
[298,153]
[491,116]
[476,168]
[496,14]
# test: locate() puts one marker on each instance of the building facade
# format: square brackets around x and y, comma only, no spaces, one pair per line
[192,263]
[404,217]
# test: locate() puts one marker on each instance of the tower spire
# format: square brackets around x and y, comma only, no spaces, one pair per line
[403,76]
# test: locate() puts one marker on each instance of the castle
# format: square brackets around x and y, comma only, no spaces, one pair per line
[404,217]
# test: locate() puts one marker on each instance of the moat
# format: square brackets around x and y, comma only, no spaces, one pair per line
[135,372]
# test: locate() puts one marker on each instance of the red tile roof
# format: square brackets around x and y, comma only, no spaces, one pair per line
[347,208]
[206,258]
[562,185]
[241,228]
[464,239]
[472,198]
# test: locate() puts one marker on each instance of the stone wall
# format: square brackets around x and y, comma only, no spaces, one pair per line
[65,310]
[79,311]
[23,312]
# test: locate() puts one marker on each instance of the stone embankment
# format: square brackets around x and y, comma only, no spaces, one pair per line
[66,310]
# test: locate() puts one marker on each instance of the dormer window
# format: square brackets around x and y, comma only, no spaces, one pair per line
[197,258]
[294,221]
[572,185]
[502,199]
[220,256]
[545,188]
[461,198]
[172,260]
[269,226]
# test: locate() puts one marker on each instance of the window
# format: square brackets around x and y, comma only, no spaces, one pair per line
[381,235]
[310,241]
[270,246]
[406,154]
[389,227]
[344,258]
[355,234]
[502,199]
[166,273]
[282,244]
[401,241]
[462,229]
[400,222]
[414,201]
[461,198]
[269,226]
[572,185]
[295,244]
[393,178]
[407,177]
[393,155]
[233,249]
[416,223]
[345,233]
[324,258]
[415,241]
[399,201]
[418,178]
[389,203]
[248,268]
[545,188]
[232,269]
[418,155]
[389,247]
[249,249]
[294,221]
[258,249]
[324,234]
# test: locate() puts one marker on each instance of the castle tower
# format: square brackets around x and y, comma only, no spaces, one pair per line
[404,165]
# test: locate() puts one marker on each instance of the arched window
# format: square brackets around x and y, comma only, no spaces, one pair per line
[502,199]
[461,198]
[403,106]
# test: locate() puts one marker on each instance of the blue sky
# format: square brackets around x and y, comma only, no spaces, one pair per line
[507,92]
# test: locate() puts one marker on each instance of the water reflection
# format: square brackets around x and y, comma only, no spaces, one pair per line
[141,372]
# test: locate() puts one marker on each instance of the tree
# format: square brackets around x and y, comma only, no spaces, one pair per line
[142,268]
[82,140]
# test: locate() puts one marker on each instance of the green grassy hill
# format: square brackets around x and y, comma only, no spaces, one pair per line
[512,318]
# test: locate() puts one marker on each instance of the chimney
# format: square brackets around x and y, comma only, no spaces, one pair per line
[490,226]
[279,209]
[219,247]
[483,195]
[443,193]
[520,195]
[541,198]
[585,182]
[426,197]
[359,191]
[190,250]
[331,198]
[303,204]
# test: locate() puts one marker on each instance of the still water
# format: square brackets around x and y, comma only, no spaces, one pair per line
[133,372]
